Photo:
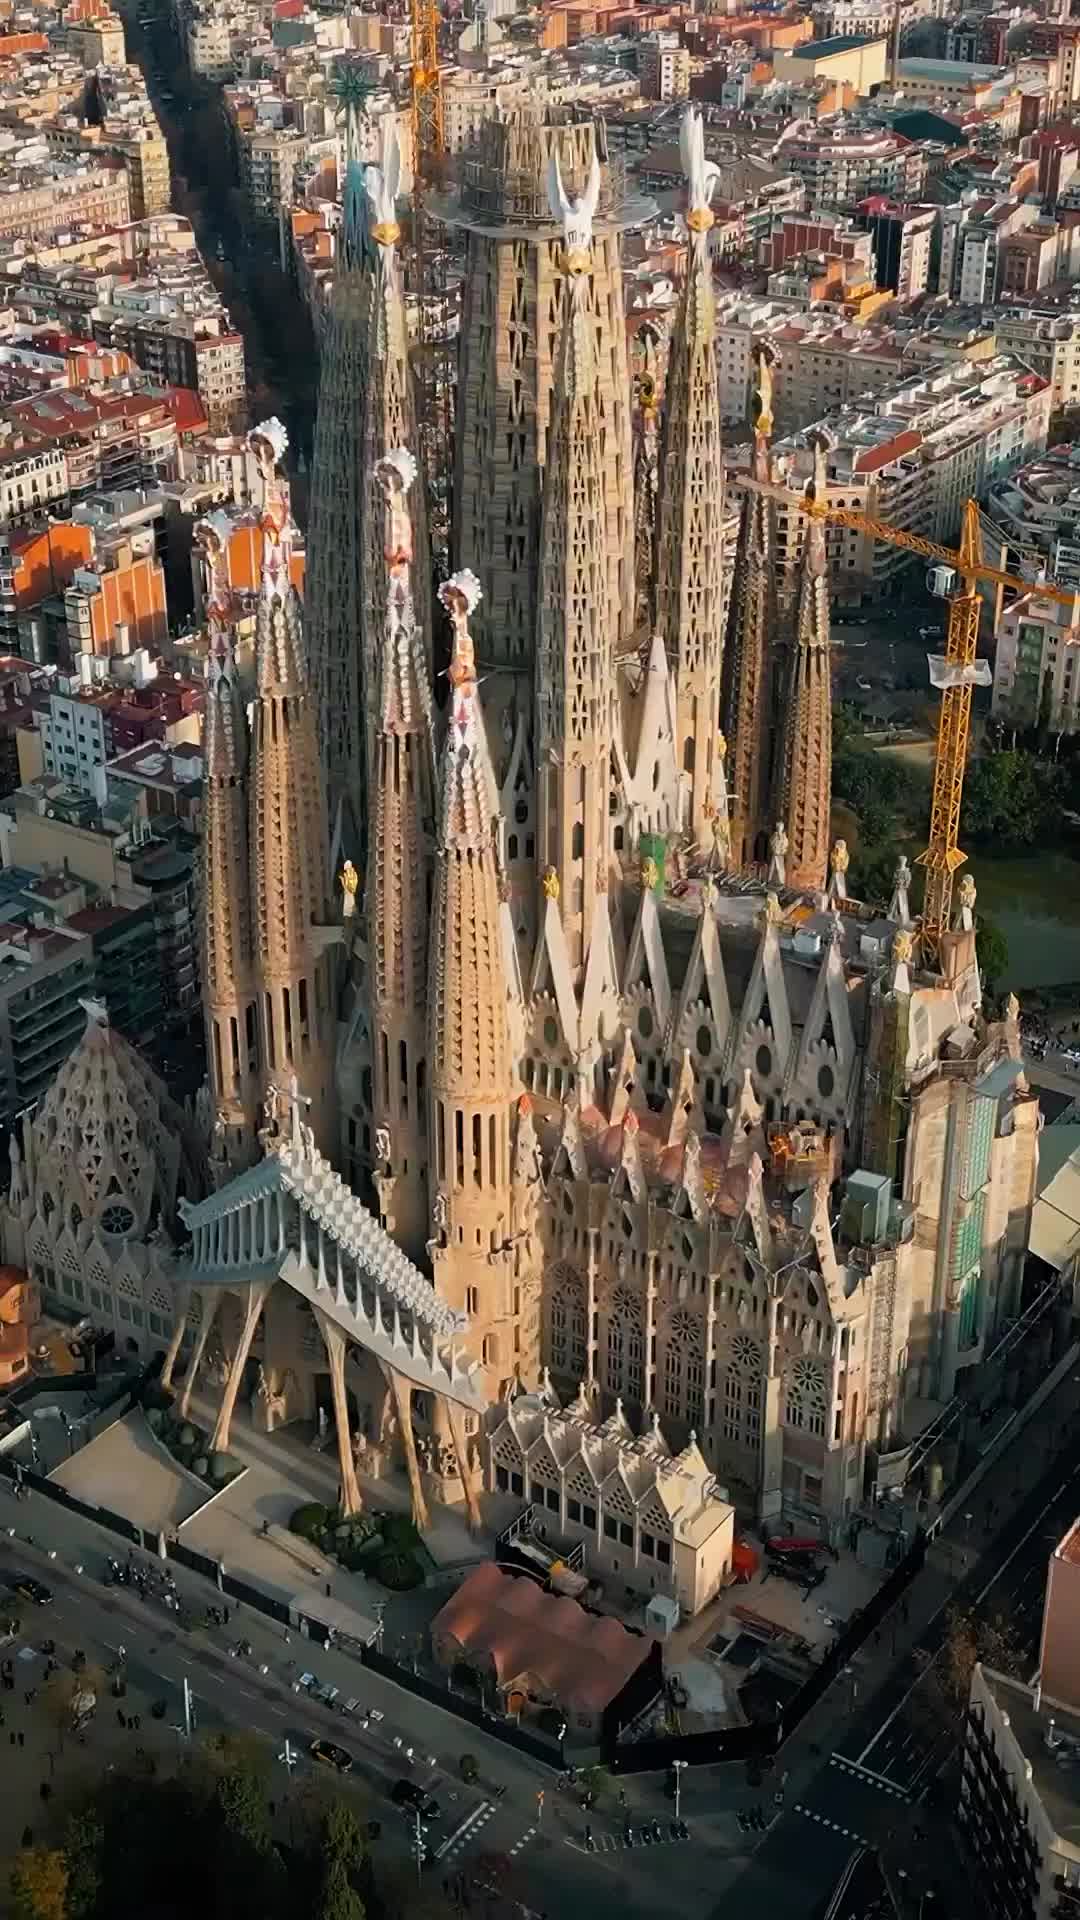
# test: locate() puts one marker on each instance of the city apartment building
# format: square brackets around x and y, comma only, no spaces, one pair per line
[839,168]
[912,458]
[1037,510]
[1037,664]
[50,196]
[1020,1785]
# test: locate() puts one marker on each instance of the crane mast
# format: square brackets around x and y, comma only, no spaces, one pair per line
[958,675]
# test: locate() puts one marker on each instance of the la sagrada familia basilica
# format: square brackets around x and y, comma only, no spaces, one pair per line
[570,1131]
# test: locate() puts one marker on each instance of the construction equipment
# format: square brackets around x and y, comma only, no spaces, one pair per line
[429,283]
[955,674]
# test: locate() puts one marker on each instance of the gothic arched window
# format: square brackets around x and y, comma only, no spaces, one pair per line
[567,1321]
[804,1401]
[684,1369]
[625,1371]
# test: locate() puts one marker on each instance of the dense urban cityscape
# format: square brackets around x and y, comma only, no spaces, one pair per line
[539,959]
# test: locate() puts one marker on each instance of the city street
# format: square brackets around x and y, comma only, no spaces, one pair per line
[851,1776]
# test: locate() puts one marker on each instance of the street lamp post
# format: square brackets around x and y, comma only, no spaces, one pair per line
[677,1767]
[419,1843]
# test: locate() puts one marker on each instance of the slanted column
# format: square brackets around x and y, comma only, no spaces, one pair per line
[173,1349]
[770,1495]
[256,1300]
[650,1329]
[456,1419]
[210,1304]
[590,1307]
[335,1342]
[402,1392]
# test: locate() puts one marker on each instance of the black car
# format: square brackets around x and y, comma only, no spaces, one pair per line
[330,1756]
[801,1569]
[409,1794]
[28,1589]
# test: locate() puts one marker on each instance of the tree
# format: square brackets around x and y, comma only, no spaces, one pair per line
[992,951]
[242,1810]
[39,1884]
[341,1839]
[84,1846]
[1011,798]
[337,1899]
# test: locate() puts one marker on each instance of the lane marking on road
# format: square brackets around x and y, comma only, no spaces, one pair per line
[456,1839]
[822,1820]
[872,1779]
[529,1834]
[979,1598]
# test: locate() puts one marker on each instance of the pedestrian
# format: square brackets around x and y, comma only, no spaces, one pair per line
[228,1611]
[11,1739]
[120,1721]
[328,1589]
[28,1697]
[45,1790]
[288,1638]
[28,1836]
[137,1722]
[22,1739]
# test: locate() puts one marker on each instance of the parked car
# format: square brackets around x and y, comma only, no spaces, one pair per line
[330,1756]
[29,1589]
[800,1568]
[410,1795]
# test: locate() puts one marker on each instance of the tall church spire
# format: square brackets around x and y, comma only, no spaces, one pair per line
[805,771]
[288,821]
[747,672]
[400,882]
[227,950]
[573,654]
[472,1078]
[365,406]
[691,504]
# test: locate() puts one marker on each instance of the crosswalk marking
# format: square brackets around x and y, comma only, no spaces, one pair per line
[467,1831]
[871,1779]
[834,1826]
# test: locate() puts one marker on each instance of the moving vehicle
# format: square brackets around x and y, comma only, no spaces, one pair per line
[329,1755]
[410,1794]
[28,1589]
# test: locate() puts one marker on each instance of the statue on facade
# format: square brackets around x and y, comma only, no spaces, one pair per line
[778,847]
[350,882]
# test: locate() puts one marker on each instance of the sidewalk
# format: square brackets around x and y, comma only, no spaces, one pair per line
[951,1557]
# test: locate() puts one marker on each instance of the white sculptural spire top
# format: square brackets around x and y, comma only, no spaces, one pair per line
[575,216]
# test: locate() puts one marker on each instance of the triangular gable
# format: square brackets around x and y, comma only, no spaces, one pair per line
[515,994]
[551,969]
[647,960]
[827,1023]
[600,992]
[569,1161]
[705,977]
[766,998]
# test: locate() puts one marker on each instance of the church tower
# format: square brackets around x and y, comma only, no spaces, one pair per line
[691,560]
[574,631]
[509,357]
[399,886]
[804,787]
[748,698]
[288,838]
[228,975]
[469,1052]
[365,406]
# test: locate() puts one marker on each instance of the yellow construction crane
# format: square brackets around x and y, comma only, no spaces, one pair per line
[956,677]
